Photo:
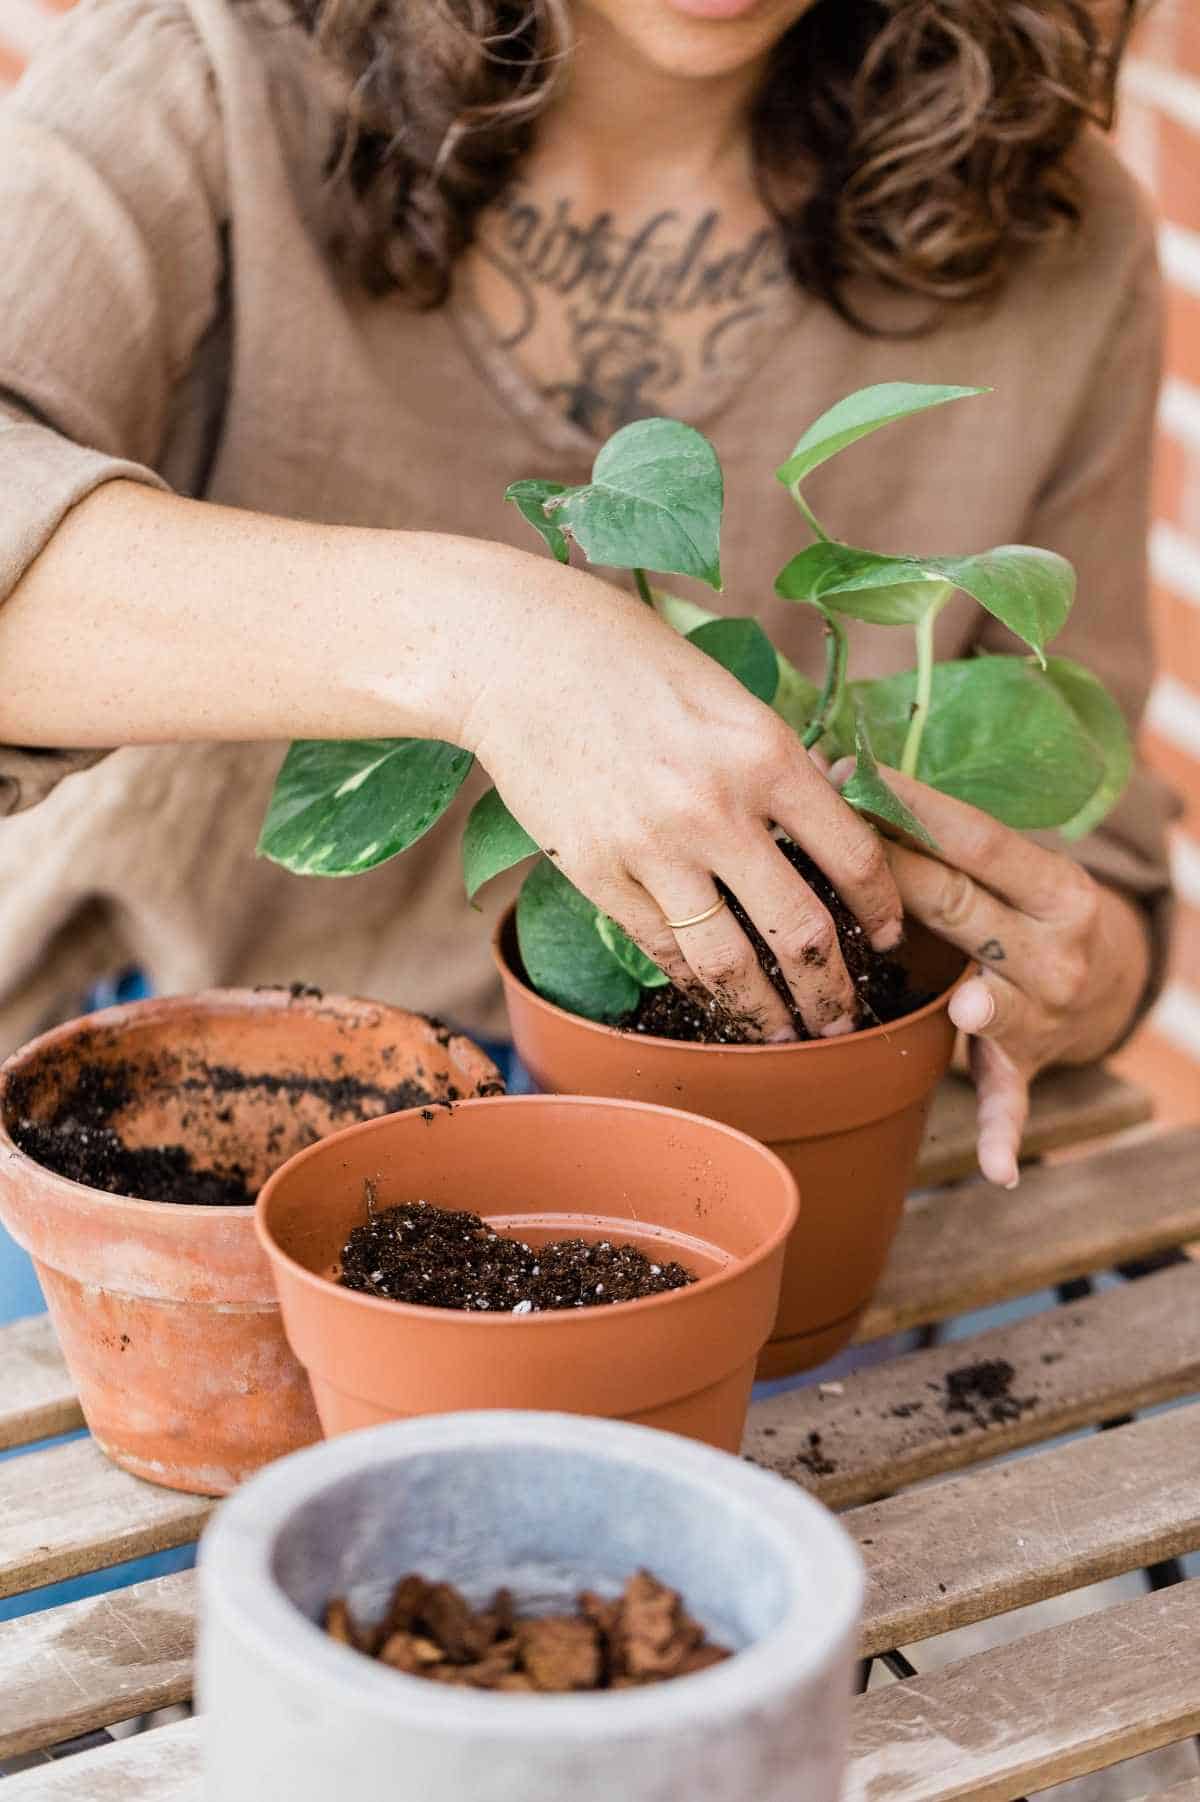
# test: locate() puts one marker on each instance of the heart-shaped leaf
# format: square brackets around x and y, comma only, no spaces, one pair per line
[654,502]
[564,956]
[493,841]
[869,793]
[1108,730]
[743,648]
[530,496]
[886,591]
[631,957]
[1028,590]
[341,806]
[998,734]
[860,414]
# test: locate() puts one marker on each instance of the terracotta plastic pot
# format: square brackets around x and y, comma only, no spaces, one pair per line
[166,1312]
[845,1115]
[548,1167]
[546,1505]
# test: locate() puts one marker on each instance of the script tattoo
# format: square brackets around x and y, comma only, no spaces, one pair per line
[628,295]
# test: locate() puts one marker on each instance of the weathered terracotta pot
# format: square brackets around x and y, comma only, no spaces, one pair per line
[166,1312]
[548,1167]
[845,1115]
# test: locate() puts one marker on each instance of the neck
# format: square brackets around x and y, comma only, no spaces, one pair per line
[620,120]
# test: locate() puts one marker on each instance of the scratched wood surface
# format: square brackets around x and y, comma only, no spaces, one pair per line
[37,1397]
[1068,1107]
[67,1509]
[162,1765]
[1051,1706]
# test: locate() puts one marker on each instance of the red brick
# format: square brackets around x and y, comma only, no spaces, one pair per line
[1169,1073]
[1183,334]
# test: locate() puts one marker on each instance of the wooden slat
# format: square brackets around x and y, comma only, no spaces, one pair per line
[90,1663]
[67,1510]
[37,1397]
[1178,1792]
[1044,1709]
[1029,1528]
[970,1245]
[162,1765]
[884,1427]
[1068,1107]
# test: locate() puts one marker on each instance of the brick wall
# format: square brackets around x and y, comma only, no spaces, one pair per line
[1160,137]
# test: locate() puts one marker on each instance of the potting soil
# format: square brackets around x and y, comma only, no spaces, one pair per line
[429,1630]
[439,1258]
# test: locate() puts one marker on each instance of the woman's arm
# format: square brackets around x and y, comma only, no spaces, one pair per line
[646,767]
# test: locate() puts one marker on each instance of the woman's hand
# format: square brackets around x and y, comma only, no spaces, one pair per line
[648,772]
[1064,960]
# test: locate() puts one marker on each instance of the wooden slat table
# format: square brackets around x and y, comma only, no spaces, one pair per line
[989,1536]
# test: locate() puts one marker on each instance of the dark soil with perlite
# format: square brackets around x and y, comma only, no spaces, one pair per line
[429,1630]
[440,1258]
[79,1142]
[884,987]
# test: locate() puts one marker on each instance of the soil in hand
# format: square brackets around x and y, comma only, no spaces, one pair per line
[429,1630]
[439,1258]
[884,988]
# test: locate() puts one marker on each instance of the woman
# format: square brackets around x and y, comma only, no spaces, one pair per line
[362,263]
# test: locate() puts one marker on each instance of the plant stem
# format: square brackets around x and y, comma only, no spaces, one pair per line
[808,513]
[920,712]
[643,587]
[835,675]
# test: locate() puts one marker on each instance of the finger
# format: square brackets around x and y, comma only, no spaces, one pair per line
[717,951]
[850,852]
[1003,1107]
[957,908]
[988,1007]
[1041,883]
[636,912]
[798,933]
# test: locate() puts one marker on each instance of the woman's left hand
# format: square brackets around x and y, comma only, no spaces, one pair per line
[1064,960]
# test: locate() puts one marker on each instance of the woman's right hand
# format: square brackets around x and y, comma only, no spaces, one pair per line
[647,771]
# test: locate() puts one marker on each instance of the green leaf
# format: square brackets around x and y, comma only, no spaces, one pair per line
[493,842]
[999,735]
[869,793]
[743,648]
[631,957]
[654,502]
[1108,730]
[1028,590]
[530,496]
[341,806]
[860,414]
[564,956]
[796,697]
[886,591]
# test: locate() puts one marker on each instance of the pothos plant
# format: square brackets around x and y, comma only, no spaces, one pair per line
[1033,740]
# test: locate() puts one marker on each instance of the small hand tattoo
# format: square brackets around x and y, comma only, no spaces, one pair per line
[993,951]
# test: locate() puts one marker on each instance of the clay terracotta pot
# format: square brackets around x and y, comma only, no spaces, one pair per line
[166,1312]
[845,1115]
[548,1167]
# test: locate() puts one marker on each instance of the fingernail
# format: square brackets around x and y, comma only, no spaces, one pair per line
[842,771]
[1013,1183]
[785,1036]
[837,1029]
[888,937]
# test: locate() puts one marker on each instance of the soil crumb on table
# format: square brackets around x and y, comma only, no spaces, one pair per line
[429,1630]
[441,1258]
[983,1391]
[883,985]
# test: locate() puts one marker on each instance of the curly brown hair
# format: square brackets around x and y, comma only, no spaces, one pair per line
[918,143]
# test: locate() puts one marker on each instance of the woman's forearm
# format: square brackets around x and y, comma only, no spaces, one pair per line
[150,618]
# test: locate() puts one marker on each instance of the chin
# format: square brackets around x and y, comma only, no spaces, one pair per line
[695,38]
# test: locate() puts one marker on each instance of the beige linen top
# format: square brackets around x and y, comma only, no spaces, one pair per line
[168,312]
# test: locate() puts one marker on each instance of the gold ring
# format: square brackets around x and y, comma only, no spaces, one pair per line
[699,919]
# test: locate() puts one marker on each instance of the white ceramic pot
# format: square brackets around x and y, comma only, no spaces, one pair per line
[548,1504]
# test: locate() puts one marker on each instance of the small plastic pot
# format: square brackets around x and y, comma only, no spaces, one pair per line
[846,1116]
[553,1167]
[165,1311]
[546,1505]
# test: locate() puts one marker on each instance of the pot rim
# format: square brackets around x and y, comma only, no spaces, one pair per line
[244,1534]
[590,1318]
[868,1035]
[271,998]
